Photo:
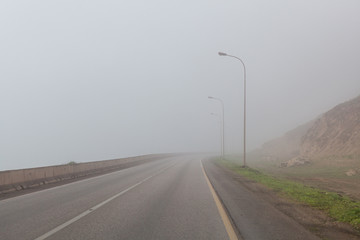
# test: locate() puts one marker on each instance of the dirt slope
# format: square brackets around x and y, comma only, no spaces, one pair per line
[334,133]
[337,132]
[287,146]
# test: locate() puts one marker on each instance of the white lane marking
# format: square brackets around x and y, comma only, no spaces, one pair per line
[72,183]
[58,228]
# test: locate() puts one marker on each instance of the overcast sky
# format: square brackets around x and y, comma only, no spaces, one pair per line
[92,80]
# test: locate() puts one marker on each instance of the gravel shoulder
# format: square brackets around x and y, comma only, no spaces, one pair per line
[250,203]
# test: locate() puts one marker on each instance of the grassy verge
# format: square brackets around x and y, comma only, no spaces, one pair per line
[341,208]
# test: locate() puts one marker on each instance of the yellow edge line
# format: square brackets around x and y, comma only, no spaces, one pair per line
[224,217]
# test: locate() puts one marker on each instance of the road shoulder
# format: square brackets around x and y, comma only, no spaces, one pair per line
[250,203]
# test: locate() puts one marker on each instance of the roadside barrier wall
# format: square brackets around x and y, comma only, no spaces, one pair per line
[23,178]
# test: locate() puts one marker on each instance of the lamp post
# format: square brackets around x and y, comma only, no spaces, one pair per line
[224,54]
[223,124]
[221,140]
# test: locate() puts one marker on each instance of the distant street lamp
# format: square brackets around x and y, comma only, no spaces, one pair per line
[223,124]
[224,54]
[220,121]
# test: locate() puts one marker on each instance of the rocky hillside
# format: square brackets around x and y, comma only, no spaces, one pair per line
[287,146]
[337,132]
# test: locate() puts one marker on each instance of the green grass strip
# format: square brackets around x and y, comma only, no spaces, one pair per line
[339,207]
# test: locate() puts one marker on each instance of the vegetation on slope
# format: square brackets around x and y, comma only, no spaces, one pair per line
[339,207]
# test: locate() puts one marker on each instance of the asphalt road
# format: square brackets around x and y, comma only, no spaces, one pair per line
[253,217]
[165,199]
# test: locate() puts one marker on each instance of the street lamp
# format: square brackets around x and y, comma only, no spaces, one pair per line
[224,54]
[223,124]
[220,121]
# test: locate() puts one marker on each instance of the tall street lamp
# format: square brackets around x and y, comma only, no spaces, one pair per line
[224,54]
[223,124]
[221,140]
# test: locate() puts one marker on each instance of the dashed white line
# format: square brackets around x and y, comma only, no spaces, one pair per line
[58,228]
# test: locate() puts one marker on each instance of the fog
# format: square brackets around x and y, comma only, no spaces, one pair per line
[93,80]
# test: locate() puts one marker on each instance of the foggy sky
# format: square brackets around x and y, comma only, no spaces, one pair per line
[92,80]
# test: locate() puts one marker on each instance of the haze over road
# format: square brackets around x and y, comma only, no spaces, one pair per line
[164,199]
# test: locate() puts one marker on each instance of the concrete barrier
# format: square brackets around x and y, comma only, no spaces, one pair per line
[13,180]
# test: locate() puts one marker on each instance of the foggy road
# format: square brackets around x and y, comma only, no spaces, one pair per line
[165,199]
[254,217]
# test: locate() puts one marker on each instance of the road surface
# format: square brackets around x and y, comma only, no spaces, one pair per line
[165,199]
